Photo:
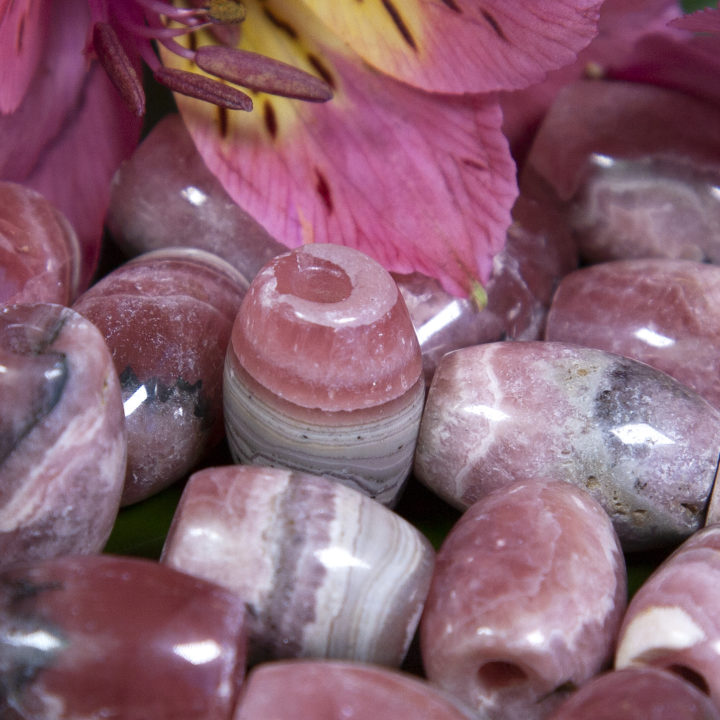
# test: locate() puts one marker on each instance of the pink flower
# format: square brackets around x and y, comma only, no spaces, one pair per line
[408,162]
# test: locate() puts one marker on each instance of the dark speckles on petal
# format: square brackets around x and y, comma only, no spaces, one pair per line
[494,24]
[400,24]
[321,70]
[281,24]
[270,119]
[452,5]
[323,190]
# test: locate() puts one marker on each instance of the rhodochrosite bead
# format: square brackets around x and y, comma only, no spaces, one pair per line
[324,372]
[672,621]
[635,693]
[650,207]
[325,570]
[526,600]
[644,445]
[537,253]
[62,435]
[665,313]
[165,196]
[167,317]
[619,120]
[39,251]
[325,690]
[110,637]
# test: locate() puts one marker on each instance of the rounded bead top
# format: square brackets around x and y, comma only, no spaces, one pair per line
[324,326]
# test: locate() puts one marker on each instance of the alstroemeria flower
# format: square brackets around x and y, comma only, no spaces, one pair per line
[63,127]
[412,169]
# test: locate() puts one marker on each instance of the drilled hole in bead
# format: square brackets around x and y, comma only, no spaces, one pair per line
[692,676]
[500,674]
[312,278]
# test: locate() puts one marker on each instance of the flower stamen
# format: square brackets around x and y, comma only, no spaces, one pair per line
[140,23]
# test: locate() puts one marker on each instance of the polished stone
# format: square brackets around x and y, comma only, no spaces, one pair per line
[526,600]
[167,318]
[39,251]
[324,690]
[672,620]
[325,571]
[324,371]
[648,207]
[537,253]
[665,313]
[111,637]
[644,445]
[618,120]
[62,435]
[164,196]
[635,693]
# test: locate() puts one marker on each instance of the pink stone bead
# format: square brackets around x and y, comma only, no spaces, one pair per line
[39,251]
[324,371]
[644,445]
[618,120]
[110,637]
[325,571]
[167,318]
[672,621]
[526,600]
[324,690]
[649,207]
[62,435]
[665,313]
[164,196]
[635,693]
[537,253]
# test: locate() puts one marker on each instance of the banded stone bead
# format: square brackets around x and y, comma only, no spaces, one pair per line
[325,571]
[324,371]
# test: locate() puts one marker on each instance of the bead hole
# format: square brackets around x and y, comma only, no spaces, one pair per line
[692,676]
[311,278]
[500,674]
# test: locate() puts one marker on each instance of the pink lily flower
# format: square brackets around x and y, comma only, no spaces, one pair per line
[408,163]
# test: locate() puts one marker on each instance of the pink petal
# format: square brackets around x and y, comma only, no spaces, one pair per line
[419,182]
[71,132]
[463,45]
[707,20]
[52,94]
[77,169]
[622,24]
[23,28]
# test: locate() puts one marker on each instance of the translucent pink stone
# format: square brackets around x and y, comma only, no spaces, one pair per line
[665,313]
[110,637]
[62,436]
[649,207]
[635,693]
[324,690]
[619,120]
[325,571]
[167,318]
[324,371]
[526,600]
[164,196]
[39,251]
[672,621]
[644,445]
[537,253]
